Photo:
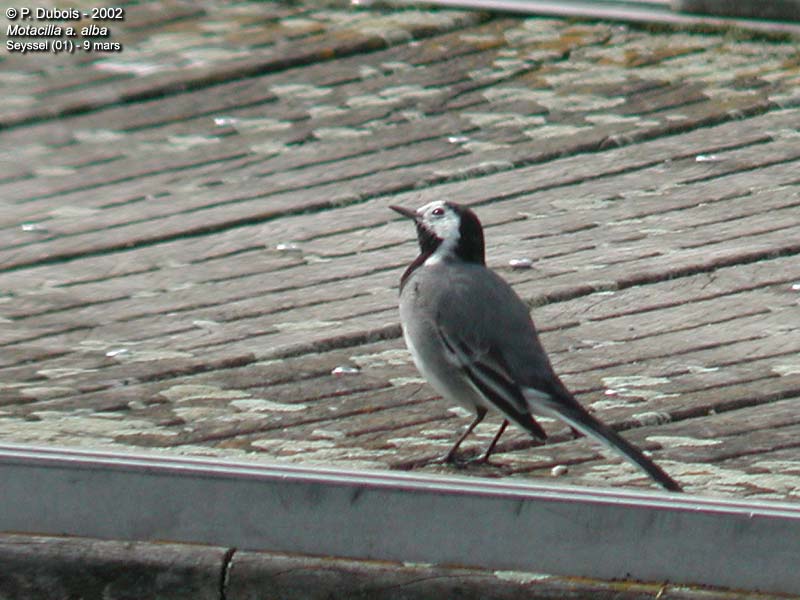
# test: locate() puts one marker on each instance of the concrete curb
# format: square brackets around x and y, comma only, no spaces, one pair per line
[38,567]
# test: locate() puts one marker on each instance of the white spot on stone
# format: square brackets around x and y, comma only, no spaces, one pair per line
[602,344]
[559,470]
[150,355]
[635,381]
[186,142]
[186,392]
[401,381]
[608,404]
[520,263]
[268,148]
[306,325]
[287,247]
[97,136]
[256,124]
[117,352]
[631,386]
[327,434]
[781,467]
[299,22]
[394,357]
[338,133]
[320,111]
[405,442]
[394,66]
[460,411]
[367,71]
[485,168]
[697,369]
[34,228]
[367,100]
[299,90]
[520,576]
[259,405]
[315,259]
[670,441]
[480,147]
[551,131]
[59,372]
[707,158]
[652,418]
[439,433]
[510,94]
[42,392]
[495,119]
[609,119]
[90,345]
[73,212]
[409,92]
[345,370]
[787,369]
[477,38]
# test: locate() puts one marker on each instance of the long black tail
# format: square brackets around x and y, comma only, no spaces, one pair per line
[577,416]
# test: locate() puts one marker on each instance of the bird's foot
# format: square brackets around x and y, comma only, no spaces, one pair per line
[460,462]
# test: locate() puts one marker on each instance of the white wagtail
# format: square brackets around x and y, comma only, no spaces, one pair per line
[473,339]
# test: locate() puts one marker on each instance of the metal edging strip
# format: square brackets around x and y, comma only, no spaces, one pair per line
[445,520]
[642,11]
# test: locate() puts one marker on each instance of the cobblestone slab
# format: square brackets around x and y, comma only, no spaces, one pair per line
[196,252]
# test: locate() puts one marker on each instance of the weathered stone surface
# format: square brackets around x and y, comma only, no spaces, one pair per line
[196,252]
[262,576]
[37,567]
[34,568]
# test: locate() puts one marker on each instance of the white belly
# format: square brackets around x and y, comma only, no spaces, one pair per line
[430,358]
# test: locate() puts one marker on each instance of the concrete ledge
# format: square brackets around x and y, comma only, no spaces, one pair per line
[37,567]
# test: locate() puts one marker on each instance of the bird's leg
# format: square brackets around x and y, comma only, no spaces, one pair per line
[451,456]
[490,448]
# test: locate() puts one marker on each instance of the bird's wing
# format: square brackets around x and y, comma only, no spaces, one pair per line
[486,370]
[482,317]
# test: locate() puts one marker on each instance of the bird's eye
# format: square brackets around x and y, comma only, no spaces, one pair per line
[438,211]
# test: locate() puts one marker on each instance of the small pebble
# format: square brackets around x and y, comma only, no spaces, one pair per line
[706,158]
[34,227]
[117,352]
[652,418]
[287,247]
[520,263]
[559,470]
[345,370]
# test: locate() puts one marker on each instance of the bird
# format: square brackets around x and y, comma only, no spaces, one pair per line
[473,339]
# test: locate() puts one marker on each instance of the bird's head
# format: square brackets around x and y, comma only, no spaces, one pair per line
[447,230]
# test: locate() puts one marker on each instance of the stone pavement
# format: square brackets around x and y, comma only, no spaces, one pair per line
[196,254]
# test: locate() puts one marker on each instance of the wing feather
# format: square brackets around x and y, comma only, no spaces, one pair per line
[486,372]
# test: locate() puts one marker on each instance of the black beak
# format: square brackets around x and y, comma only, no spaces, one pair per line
[406,212]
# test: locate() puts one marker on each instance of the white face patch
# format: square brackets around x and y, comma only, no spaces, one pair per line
[444,223]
